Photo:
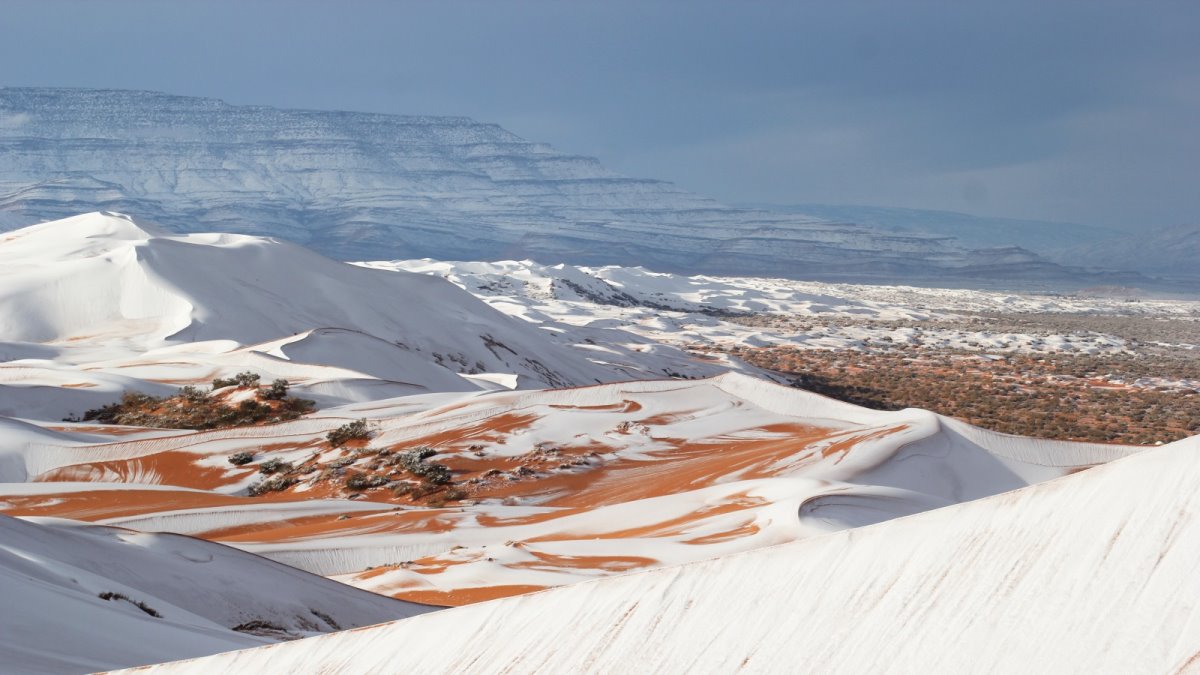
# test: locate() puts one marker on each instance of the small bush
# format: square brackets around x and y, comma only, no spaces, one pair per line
[414,461]
[356,430]
[241,458]
[244,379]
[273,484]
[361,481]
[274,466]
[192,394]
[113,413]
[276,392]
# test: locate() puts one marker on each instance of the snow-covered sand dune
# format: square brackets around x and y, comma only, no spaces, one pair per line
[96,304]
[81,597]
[557,485]
[1093,572]
[547,487]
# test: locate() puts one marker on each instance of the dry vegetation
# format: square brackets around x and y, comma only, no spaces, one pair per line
[1049,396]
[194,408]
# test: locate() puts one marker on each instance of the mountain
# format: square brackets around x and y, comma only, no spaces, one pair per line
[1092,572]
[369,186]
[82,597]
[1040,236]
[1169,251]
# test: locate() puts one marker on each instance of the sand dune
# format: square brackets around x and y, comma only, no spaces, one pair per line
[1093,572]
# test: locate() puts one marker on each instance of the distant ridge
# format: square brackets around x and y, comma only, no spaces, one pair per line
[970,230]
[371,186]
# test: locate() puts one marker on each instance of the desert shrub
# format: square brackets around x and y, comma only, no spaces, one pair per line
[415,462]
[273,484]
[113,412]
[241,458]
[192,408]
[192,394]
[274,466]
[242,379]
[360,481]
[423,490]
[356,430]
[341,462]
[277,391]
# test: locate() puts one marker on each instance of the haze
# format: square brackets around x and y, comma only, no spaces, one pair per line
[1060,111]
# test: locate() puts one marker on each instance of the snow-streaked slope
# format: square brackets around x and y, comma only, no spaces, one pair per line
[557,486]
[1094,572]
[359,185]
[92,304]
[53,573]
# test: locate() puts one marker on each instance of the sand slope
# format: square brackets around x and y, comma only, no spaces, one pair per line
[1094,572]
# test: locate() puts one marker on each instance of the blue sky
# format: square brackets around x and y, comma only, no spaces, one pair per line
[1056,109]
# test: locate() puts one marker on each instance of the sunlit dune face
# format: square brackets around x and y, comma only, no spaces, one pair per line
[541,493]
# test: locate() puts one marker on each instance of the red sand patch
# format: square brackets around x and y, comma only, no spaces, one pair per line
[464,596]
[102,504]
[553,563]
[169,468]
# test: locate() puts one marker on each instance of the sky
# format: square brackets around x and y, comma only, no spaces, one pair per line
[1080,111]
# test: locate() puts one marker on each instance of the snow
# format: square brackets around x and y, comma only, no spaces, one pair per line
[679,471]
[96,304]
[685,310]
[52,573]
[537,385]
[1093,572]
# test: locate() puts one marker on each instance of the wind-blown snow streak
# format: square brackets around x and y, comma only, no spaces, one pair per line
[1094,572]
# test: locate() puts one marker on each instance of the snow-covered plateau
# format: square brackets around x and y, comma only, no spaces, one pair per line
[362,186]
